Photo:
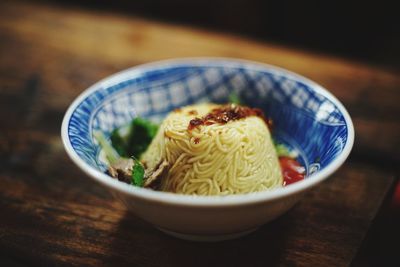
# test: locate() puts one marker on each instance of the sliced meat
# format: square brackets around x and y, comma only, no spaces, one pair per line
[154,177]
[122,169]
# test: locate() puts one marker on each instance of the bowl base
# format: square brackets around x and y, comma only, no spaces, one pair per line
[205,237]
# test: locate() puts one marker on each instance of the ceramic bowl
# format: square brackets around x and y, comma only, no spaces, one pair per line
[306,117]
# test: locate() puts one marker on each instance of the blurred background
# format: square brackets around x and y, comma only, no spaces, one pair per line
[366,31]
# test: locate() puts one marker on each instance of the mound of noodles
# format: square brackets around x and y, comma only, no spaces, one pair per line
[233,158]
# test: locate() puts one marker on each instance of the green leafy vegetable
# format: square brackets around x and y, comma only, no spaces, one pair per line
[140,134]
[128,143]
[121,168]
[234,98]
[137,174]
[283,151]
[118,142]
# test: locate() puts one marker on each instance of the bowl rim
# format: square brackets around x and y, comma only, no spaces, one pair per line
[205,201]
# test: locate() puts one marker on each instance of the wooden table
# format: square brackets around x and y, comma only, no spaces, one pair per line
[51,214]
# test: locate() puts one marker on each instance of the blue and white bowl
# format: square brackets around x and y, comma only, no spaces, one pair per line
[306,117]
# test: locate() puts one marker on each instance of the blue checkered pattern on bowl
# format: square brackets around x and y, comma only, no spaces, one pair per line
[304,117]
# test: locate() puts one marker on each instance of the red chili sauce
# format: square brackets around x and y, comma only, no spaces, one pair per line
[228,113]
[292,171]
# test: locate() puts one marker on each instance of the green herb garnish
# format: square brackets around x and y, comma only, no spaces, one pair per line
[234,98]
[118,142]
[138,174]
[125,169]
[283,151]
[140,134]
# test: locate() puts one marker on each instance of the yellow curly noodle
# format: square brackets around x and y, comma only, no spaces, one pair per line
[219,159]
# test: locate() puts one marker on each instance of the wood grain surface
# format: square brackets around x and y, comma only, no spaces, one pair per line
[52,215]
